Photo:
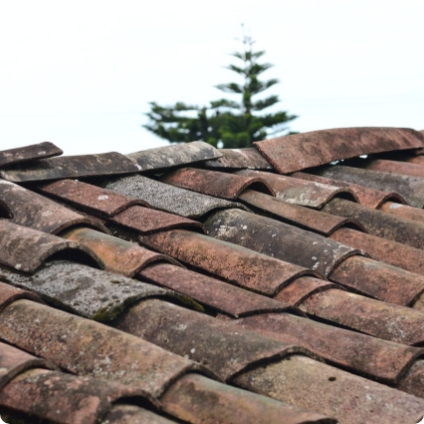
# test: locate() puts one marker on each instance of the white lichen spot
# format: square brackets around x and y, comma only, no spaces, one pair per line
[315,266]
[244,227]
[103,197]
[18,266]
[192,350]
[314,258]
[395,206]
[274,235]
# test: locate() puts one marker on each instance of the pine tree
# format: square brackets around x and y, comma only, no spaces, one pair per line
[225,123]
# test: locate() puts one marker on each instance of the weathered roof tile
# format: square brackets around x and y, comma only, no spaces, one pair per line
[28,153]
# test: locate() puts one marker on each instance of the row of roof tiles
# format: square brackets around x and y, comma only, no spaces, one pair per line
[216,292]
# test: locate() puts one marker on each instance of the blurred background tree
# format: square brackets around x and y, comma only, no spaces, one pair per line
[224,122]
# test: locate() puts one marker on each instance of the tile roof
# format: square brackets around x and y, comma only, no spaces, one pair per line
[190,284]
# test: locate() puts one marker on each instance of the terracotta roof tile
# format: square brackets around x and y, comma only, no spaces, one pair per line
[245,158]
[296,152]
[70,167]
[307,218]
[379,223]
[33,210]
[117,255]
[395,167]
[106,203]
[226,186]
[410,188]
[279,240]
[28,153]
[169,198]
[174,155]
[366,196]
[230,262]
[25,249]
[300,192]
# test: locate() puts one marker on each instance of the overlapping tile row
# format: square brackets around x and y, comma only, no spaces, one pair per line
[299,293]
[29,153]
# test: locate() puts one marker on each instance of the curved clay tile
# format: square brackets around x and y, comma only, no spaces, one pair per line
[65,398]
[235,264]
[116,254]
[33,152]
[383,250]
[226,186]
[25,250]
[300,192]
[86,347]
[410,188]
[174,155]
[279,240]
[379,223]
[38,212]
[303,217]
[83,290]
[299,151]
[70,167]
[216,294]
[106,203]
[244,158]
[366,196]
[169,198]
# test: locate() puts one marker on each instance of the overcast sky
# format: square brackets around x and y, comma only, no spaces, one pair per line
[81,73]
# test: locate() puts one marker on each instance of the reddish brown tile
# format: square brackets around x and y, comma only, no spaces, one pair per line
[146,220]
[309,219]
[296,152]
[70,167]
[130,414]
[383,250]
[105,203]
[227,186]
[116,254]
[29,153]
[395,167]
[233,263]
[214,293]
[366,196]
[300,192]
[35,211]
[279,240]
[249,158]
[404,211]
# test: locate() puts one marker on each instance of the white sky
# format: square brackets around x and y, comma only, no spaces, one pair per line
[81,73]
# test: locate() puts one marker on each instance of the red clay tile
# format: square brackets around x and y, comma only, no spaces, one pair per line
[395,167]
[35,211]
[105,203]
[301,288]
[214,293]
[245,158]
[309,219]
[117,255]
[24,249]
[404,211]
[412,381]
[86,347]
[379,223]
[233,263]
[219,345]
[379,280]
[202,401]
[64,398]
[366,196]
[29,153]
[410,188]
[15,361]
[300,192]
[8,294]
[146,220]
[383,250]
[315,386]
[83,290]
[296,152]
[70,167]
[130,414]
[365,355]
[227,186]
[279,240]
[379,319]
[418,160]
[174,155]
